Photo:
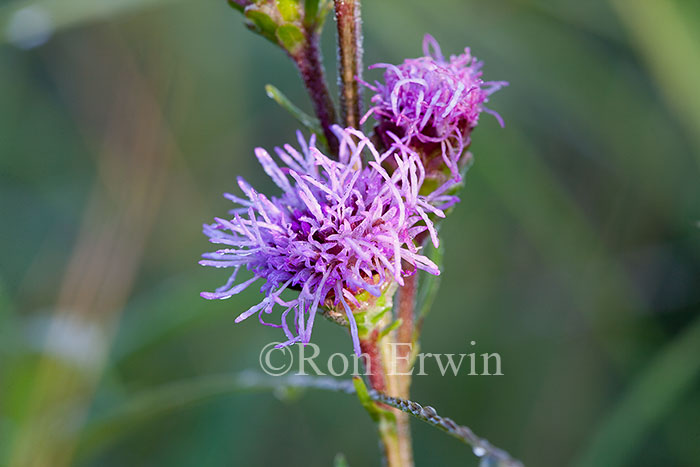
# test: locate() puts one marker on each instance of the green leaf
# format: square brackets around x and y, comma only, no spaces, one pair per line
[291,38]
[363,395]
[310,123]
[315,12]
[310,11]
[236,6]
[394,325]
[262,24]
[289,9]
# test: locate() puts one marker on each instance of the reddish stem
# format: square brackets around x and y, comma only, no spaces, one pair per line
[405,332]
[373,362]
[310,66]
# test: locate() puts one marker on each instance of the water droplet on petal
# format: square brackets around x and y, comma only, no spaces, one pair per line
[479,451]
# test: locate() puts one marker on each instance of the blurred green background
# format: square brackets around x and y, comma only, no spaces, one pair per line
[574,254]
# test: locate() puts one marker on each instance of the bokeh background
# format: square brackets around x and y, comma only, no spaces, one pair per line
[575,253]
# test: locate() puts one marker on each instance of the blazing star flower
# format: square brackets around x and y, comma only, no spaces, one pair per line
[432,103]
[338,229]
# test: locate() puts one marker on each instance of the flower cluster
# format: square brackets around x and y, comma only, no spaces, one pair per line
[432,103]
[339,228]
[353,225]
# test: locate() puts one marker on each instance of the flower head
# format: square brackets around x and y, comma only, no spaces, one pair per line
[432,103]
[339,228]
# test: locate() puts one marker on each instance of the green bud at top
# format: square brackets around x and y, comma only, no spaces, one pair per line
[288,23]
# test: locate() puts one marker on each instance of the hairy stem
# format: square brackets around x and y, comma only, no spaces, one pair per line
[373,362]
[347,16]
[389,435]
[404,337]
[407,301]
[394,425]
[310,65]
[403,433]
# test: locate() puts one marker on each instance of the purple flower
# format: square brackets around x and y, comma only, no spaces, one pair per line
[432,103]
[339,228]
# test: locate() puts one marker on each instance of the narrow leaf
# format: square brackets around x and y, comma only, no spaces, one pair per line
[394,325]
[365,399]
[310,123]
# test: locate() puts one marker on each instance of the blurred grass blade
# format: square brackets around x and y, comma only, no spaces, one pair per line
[160,401]
[340,460]
[310,123]
[430,284]
[664,382]
[665,41]
[6,317]
[66,13]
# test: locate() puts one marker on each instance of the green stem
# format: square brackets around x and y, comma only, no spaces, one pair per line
[391,440]
[393,425]
[405,337]
[384,377]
